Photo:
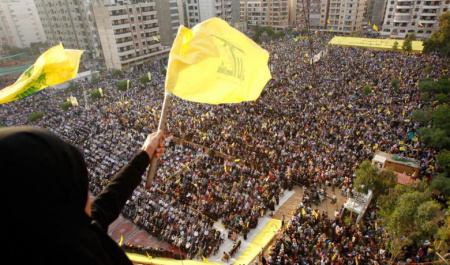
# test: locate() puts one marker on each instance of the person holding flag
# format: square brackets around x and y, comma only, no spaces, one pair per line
[52,178]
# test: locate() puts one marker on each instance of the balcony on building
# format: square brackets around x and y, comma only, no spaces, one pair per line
[122,35]
[121,26]
[119,17]
[402,18]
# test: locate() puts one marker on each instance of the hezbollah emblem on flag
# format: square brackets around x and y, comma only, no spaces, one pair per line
[53,67]
[214,63]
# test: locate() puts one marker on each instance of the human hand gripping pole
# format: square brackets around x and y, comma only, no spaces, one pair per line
[161,127]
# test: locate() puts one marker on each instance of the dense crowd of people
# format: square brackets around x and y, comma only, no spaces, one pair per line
[231,163]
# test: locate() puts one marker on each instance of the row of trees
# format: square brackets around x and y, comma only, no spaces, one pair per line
[434,120]
[408,212]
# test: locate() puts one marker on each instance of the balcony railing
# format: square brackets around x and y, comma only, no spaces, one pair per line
[402,18]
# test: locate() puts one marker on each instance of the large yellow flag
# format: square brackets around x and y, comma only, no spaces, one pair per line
[215,63]
[53,67]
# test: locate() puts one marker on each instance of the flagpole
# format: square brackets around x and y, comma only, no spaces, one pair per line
[161,127]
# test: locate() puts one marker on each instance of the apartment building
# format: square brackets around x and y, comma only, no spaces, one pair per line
[274,13]
[300,10]
[375,12]
[343,16]
[20,24]
[70,22]
[132,32]
[403,17]
[196,11]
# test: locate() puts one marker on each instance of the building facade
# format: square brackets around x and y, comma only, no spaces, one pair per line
[420,17]
[301,10]
[20,24]
[273,13]
[196,11]
[343,16]
[70,22]
[132,32]
[375,12]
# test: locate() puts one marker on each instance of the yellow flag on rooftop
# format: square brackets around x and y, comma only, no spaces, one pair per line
[53,67]
[215,63]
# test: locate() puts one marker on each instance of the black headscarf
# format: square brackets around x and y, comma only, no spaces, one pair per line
[45,185]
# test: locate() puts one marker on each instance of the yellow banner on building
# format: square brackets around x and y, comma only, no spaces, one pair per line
[377,44]
[53,67]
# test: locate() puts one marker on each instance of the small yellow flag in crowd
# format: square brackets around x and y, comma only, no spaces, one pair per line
[53,67]
[375,27]
[121,241]
[215,63]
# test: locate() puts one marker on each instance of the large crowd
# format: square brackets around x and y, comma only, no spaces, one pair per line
[231,163]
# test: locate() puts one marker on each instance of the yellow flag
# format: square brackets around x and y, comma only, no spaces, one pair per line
[155,38]
[370,23]
[420,24]
[375,27]
[148,255]
[205,260]
[53,67]
[329,21]
[215,63]
[121,241]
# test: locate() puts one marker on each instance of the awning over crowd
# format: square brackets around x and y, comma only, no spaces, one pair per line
[377,44]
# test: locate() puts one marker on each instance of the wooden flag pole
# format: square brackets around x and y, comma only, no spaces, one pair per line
[161,127]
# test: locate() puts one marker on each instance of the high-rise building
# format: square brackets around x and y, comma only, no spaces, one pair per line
[300,10]
[343,16]
[134,32]
[274,13]
[196,11]
[19,23]
[375,12]
[71,23]
[403,17]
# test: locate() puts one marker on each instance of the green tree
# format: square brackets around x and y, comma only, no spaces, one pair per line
[408,212]
[95,94]
[394,83]
[440,40]
[441,98]
[123,85]
[407,43]
[434,137]
[144,79]
[441,182]
[368,176]
[367,90]
[35,116]
[425,97]
[395,45]
[423,117]
[66,105]
[444,84]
